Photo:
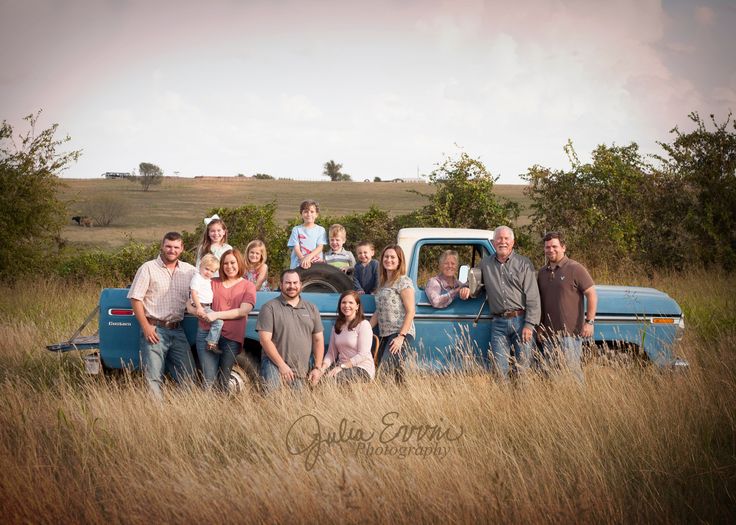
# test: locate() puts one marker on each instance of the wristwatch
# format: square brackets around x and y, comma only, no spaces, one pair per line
[589,321]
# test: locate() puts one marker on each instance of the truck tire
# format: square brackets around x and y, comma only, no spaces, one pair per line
[237,383]
[323,278]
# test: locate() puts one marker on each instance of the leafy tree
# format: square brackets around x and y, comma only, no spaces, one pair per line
[464,197]
[149,175]
[376,179]
[702,163]
[600,206]
[31,215]
[332,170]
[262,176]
[106,209]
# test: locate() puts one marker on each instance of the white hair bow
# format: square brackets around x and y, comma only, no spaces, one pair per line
[208,220]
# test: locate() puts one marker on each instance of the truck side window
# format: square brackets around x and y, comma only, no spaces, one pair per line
[429,259]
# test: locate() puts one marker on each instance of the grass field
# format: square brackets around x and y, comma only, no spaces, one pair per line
[634,445]
[179,203]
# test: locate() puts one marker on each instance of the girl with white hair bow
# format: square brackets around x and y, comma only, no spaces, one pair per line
[214,239]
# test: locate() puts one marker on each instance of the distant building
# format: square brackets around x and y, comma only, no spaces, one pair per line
[116,175]
[400,179]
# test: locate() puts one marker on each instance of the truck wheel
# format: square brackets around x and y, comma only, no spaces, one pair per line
[323,278]
[237,381]
[249,361]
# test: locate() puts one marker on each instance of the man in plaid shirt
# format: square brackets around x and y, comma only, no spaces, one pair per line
[158,295]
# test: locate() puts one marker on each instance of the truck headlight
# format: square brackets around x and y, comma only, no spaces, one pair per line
[680,332]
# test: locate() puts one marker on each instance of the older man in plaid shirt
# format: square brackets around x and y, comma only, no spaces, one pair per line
[158,296]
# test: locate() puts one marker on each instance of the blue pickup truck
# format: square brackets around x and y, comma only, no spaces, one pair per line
[644,320]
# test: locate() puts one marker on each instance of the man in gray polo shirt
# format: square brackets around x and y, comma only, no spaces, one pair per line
[290,330]
[513,297]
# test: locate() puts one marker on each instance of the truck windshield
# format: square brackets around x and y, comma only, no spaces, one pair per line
[429,258]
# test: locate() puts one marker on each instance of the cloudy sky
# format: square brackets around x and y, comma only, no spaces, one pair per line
[387,88]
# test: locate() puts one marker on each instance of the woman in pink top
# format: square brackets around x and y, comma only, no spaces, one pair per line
[350,343]
[234,298]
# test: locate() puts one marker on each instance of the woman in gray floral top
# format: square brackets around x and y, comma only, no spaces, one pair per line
[394,314]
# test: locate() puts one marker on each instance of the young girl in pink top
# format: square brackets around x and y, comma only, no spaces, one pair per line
[350,343]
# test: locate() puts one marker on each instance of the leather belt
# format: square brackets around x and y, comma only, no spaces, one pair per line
[509,314]
[169,325]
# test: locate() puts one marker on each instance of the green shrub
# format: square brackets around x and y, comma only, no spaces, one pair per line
[106,268]
[245,224]
[464,197]
[600,206]
[375,226]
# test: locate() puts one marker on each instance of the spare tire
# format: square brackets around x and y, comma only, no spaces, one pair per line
[324,278]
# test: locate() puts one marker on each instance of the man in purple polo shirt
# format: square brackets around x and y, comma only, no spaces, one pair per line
[564,286]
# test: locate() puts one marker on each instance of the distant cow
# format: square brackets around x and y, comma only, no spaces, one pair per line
[82,221]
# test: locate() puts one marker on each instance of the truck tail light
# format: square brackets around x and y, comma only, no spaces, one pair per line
[120,311]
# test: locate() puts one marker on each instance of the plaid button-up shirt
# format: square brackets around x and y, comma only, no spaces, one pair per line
[164,293]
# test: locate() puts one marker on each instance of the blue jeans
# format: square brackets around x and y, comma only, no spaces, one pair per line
[392,365]
[506,341]
[216,367]
[215,329]
[272,378]
[565,351]
[171,354]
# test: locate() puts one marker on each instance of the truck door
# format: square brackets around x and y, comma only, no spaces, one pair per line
[457,335]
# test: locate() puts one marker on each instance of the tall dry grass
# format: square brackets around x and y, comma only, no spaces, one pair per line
[634,445]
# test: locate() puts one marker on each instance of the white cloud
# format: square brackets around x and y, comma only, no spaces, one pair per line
[705,16]
[119,121]
[299,108]
[382,88]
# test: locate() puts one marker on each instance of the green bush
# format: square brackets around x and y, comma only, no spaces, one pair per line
[599,206]
[621,208]
[245,224]
[701,164]
[375,226]
[106,268]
